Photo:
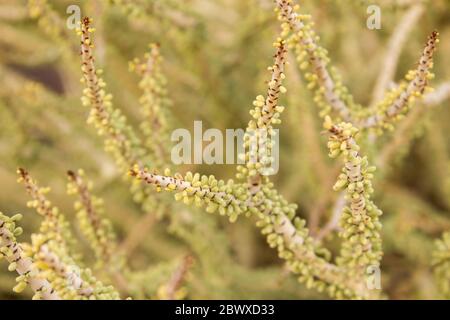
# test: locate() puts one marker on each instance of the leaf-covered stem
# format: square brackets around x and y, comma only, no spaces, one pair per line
[398,100]
[394,49]
[54,222]
[329,93]
[23,265]
[71,276]
[154,103]
[360,219]
[259,133]
[96,228]
[228,198]
[121,140]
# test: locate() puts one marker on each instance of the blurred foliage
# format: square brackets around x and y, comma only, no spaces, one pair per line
[215,58]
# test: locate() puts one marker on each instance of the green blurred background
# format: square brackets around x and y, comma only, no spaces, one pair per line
[215,57]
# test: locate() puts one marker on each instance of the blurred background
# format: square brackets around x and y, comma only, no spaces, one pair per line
[215,58]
